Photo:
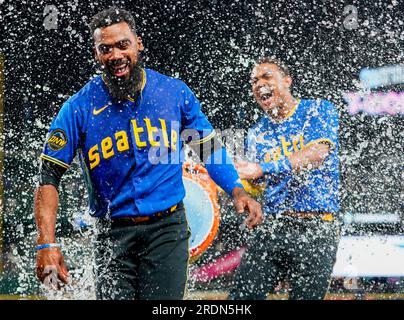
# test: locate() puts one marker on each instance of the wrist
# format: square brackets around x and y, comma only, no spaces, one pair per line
[47,246]
[45,239]
[259,172]
[238,191]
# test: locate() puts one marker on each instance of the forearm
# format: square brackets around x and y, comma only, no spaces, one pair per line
[221,169]
[45,209]
[219,165]
[309,158]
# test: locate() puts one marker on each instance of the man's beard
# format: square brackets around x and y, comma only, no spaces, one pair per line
[120,88]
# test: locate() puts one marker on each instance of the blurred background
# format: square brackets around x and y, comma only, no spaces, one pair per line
[348,52]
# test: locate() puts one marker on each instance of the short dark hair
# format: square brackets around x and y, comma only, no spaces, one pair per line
[270,60]
[112,16]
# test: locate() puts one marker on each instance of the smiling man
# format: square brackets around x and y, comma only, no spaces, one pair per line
[116,122]
[118,54]
[293,150]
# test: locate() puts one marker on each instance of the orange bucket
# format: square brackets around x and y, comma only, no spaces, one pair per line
[202,208]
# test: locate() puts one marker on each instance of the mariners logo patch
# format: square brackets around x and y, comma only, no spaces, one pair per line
[57,140]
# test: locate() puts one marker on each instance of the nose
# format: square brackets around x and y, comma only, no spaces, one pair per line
[258,85]
[116,54]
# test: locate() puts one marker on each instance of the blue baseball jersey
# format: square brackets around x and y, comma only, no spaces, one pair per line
[131,151]
[311,190]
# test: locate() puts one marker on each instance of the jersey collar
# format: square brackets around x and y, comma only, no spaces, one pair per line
[288,115]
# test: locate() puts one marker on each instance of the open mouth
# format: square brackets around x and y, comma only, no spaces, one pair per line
[120,69]
[265,93]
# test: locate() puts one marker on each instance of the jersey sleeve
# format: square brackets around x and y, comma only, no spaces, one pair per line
[63,136]
[193,120]
[250,146]
[324,125]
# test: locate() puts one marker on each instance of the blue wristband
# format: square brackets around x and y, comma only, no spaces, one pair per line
[280,167]
[48,245]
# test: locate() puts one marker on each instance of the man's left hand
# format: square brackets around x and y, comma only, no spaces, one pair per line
[243,202]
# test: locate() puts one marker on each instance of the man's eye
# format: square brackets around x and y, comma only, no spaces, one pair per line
[105,49]
[268,75]
[122,45]
[253,81]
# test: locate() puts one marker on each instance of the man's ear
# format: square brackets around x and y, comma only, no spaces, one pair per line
[140,46]
[95,54]
[288,81]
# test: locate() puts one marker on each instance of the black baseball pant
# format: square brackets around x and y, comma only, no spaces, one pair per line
[299,251]
[143,260]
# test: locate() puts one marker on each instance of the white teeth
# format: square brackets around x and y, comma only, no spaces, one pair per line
[265,93]
[121,69]
[264,90]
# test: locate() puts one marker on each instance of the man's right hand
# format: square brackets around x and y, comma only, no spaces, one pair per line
[50,262]
[243,202]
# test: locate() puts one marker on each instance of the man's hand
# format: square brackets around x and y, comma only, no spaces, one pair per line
[248,170]
[310,157]
[242,202]
[51,268]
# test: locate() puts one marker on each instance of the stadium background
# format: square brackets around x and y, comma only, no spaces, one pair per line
[210,44]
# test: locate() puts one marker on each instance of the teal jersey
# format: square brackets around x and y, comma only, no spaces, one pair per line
[311,190]
[131,151]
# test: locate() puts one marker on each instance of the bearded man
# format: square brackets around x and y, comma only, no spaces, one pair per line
[119,123]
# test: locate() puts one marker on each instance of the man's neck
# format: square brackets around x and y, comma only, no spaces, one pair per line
[283,110]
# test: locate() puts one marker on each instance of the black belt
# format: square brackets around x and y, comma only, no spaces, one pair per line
[149,218]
